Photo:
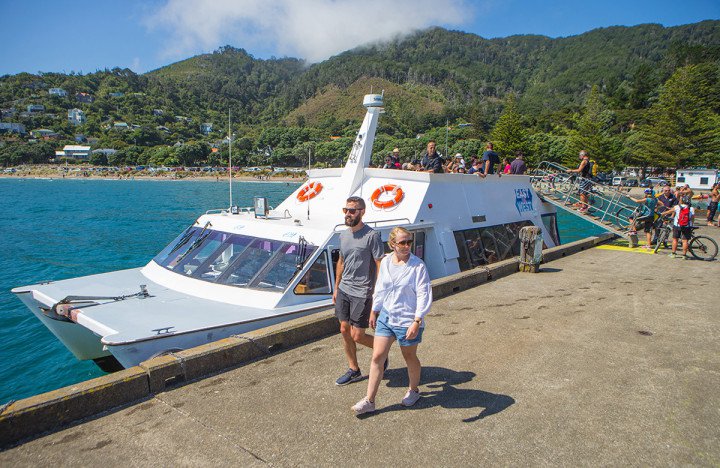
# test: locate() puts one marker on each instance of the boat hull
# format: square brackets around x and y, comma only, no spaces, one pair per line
[132,354]
[81,342]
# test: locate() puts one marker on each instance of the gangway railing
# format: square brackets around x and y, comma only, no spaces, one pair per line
[607,207]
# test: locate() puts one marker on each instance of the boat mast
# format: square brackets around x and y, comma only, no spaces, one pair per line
[361,153]
[230,159]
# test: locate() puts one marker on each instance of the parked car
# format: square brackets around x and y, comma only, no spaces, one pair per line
[632,183]
[619,180]
[653,181]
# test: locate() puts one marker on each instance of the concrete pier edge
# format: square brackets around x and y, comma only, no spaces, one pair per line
[32,417]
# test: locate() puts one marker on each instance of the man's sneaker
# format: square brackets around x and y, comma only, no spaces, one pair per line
[685,257]
[672,255]
[349,377]
[411,397]
[363,406]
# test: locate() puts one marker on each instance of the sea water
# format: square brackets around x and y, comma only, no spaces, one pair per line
[55,229]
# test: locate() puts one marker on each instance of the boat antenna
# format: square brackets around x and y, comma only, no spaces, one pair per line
[447,130]
[230,159]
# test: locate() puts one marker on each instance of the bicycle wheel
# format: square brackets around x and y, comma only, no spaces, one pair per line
[662,238]
[703,248]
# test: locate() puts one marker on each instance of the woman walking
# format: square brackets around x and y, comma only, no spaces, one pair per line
[402,299]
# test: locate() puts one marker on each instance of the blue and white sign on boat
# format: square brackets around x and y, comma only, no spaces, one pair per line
[523,200]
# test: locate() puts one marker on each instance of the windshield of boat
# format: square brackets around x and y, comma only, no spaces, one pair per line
[234,259]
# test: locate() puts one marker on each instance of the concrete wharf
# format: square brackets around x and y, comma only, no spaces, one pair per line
[605,357]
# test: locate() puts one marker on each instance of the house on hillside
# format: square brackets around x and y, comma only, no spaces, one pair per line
[206,128]
[59,92]
[44,133]
[117,94]
[76,117]
[10,127]
[35,108]
[157,112]
[74,151]
[106,151]
[84,97]
[120,126]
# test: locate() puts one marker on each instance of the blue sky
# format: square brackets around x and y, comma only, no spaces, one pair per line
[86,35]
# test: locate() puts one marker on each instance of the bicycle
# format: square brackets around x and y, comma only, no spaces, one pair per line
[700,247]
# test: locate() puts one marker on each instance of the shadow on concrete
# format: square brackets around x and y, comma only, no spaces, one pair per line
[549,270]
[442,382]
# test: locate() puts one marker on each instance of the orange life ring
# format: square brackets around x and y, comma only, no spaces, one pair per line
[309,191]
[396,192]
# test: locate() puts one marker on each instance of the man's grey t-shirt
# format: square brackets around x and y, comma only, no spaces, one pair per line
[359,250]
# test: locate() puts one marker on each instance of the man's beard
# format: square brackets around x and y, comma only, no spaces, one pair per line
[352,221]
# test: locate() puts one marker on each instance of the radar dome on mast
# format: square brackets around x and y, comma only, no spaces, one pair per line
[373,100]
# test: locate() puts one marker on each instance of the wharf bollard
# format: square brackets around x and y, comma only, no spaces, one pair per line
[531,244]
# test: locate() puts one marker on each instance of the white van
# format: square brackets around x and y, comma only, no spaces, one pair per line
[619,180]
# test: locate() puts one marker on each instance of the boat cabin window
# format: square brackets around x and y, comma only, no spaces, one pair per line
[234,259]
[317,279]
[481,246]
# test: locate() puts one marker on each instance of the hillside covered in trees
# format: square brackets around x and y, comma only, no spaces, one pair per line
[644,95]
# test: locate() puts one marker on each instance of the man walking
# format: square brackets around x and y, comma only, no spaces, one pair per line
[361,250]
[585,183]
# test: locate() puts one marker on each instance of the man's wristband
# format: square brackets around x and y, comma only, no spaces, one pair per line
[417,320]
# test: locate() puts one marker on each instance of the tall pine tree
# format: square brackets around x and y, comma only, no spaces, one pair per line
[684,126]
[509,135]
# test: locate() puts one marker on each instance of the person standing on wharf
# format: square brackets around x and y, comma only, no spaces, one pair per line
[361,250]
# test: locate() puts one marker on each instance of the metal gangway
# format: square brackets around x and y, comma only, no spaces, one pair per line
[608,207]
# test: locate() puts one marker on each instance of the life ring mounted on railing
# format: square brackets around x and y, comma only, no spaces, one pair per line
[310,190]
[396,193]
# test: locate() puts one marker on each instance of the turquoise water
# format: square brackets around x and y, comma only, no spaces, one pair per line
[56,229]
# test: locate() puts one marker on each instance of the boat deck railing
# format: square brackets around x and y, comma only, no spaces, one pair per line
[608,207]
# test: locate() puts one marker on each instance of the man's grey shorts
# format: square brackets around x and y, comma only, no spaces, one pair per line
[354,310]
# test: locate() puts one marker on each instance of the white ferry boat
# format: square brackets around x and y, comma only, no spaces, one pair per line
[236,270]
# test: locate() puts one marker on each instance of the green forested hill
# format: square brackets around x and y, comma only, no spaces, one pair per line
[606,90]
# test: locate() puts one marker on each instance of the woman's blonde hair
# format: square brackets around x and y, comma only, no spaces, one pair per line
[394,233]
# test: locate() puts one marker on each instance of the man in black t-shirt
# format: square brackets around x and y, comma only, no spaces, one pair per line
[489,159]
[432,161]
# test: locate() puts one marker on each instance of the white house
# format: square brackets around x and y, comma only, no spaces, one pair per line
[76,116]
[57,92]
[700,179]
[76,151]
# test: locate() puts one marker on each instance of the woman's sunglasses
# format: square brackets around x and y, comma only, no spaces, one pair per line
[405,242]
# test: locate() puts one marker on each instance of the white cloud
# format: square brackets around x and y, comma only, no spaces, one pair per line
[309,29]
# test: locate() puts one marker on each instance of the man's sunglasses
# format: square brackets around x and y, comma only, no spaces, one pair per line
[351,210]
[405,242]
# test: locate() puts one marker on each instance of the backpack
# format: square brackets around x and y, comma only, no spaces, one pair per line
[684,216]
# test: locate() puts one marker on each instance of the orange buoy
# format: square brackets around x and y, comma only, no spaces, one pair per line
[309,191]
[396,193]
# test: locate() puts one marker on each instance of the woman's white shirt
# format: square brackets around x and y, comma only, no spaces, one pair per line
[403,292]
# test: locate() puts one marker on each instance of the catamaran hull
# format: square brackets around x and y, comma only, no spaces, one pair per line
[83,343]
[86,345]
[132,354]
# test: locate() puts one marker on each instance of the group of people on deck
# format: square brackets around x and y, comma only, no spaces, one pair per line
[483,165]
